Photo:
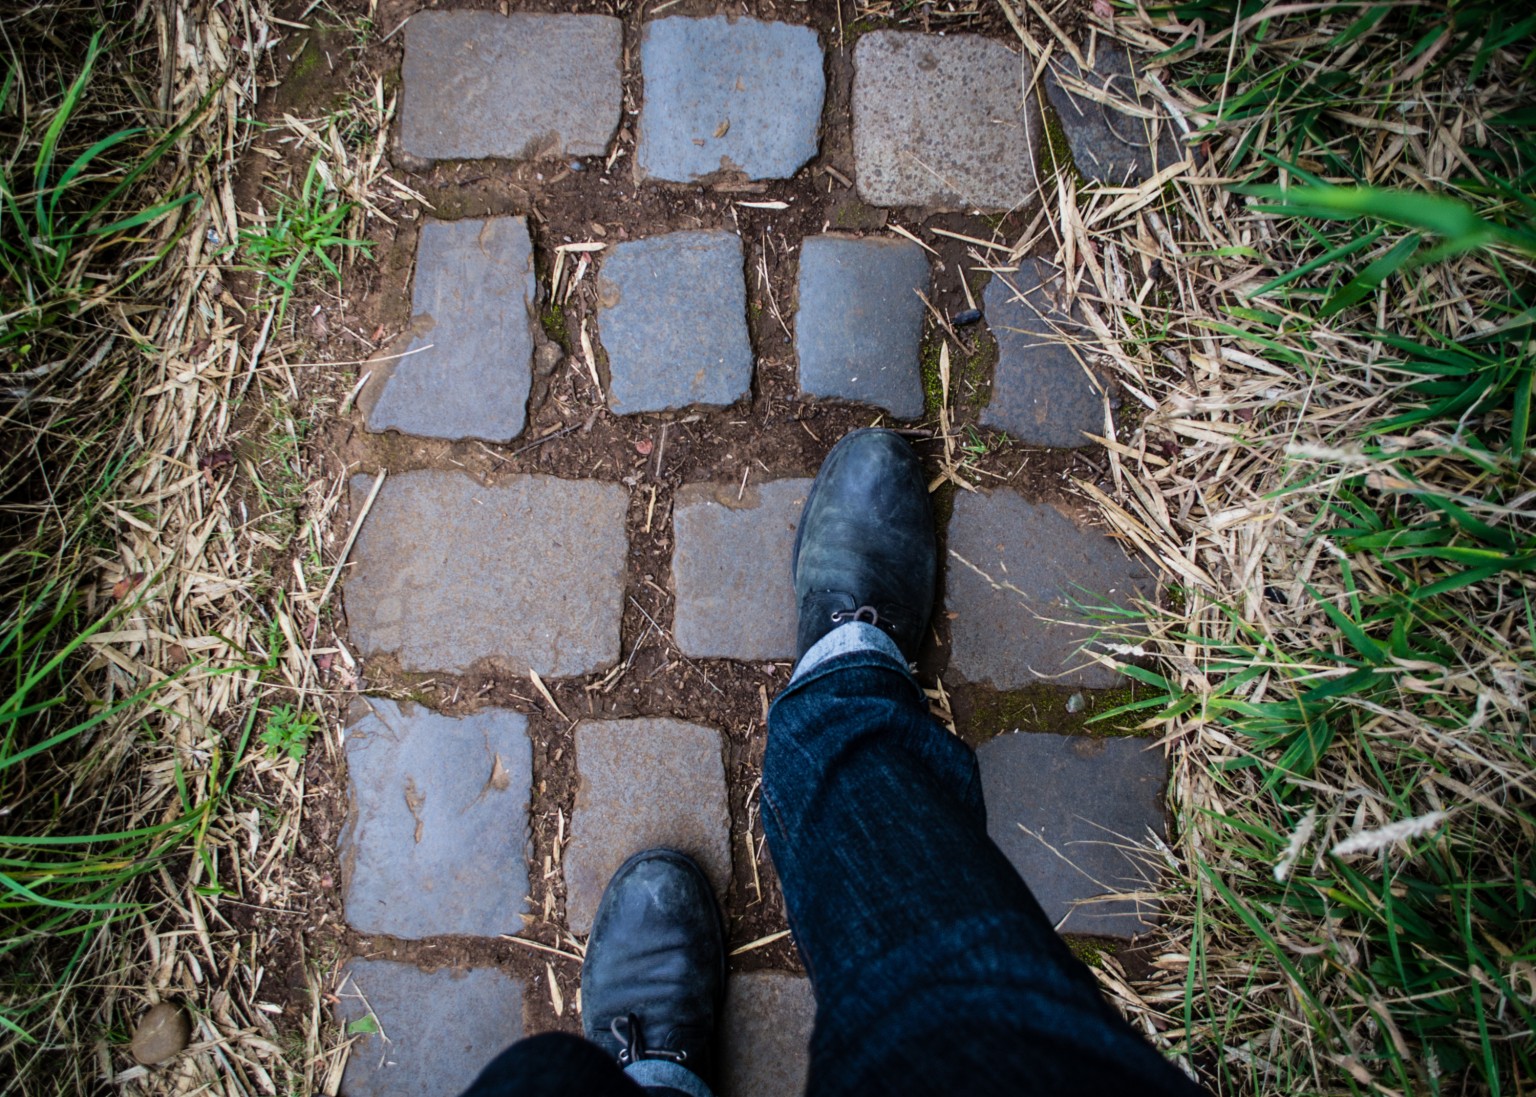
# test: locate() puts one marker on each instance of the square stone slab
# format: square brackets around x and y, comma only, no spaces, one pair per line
[644,783]
[1010,560]
[526,573]
[438,821]
[725,95]
[436,1032]
[1042,391]
[766,1034]
[672,315]
[476,84]
[464,367]
[1109,145]
[943,122]
[859,323]
[730,569]
[1086,799]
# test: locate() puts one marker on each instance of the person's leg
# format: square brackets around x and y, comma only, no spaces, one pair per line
[652,984]
[934,968]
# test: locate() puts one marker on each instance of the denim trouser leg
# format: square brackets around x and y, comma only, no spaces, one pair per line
[934,968]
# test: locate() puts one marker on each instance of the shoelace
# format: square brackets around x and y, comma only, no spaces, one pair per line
[868,614]
[634,1043]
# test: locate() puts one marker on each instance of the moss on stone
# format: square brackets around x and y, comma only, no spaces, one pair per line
[553,319]
[1043,707]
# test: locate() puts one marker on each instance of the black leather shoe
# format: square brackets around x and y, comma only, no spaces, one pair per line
[866,548]
[653,980]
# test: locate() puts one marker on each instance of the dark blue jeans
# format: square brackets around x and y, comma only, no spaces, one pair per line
[935,970]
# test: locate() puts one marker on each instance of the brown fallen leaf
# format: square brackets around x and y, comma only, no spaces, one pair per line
[124,586]
[723,128]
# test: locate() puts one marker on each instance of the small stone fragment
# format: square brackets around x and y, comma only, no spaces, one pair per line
[161,1033]
[728,94]
[547,359]
[964,317]
[940,122]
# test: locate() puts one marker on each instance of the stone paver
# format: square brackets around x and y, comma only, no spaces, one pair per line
[766,1035]
[1010,560]
[1042,392]
[859,324]
[464,367]
[730,568]
[436,1031]
[672,315]
[523,86]
[1083,801]
[728,95]
[942,121]
[435,841]
[644,783]
[526,573]
[1108,145]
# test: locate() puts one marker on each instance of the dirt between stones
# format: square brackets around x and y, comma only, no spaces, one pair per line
[773,434]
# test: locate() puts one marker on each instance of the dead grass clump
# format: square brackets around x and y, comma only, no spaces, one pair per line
[1325,316]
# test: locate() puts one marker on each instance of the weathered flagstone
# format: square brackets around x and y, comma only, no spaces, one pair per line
[859,322]
[438,824]
[644,783]
[942,122]
[424,1034]
[672,314]
[766,1034]
[527,573]
[730,569]
[464,368]
[1042,391]
[728,95]
[1010,561]
[1081,800]
[1108,145]
[523,86]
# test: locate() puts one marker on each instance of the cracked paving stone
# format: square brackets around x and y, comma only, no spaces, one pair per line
[766,1034]
[1080,801]
[672,315]
[526,573]
[730,569]
[1109,145]
[643,783]
[1010,560]
[475,84]
[464,367]
[438,824]
[1042,391]
[859,320]
[728,95]
[939,122]
[431,1032]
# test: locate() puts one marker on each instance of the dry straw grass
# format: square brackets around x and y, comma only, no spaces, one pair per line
[1330,469]
[144,510]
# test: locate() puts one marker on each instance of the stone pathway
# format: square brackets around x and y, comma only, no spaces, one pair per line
[517,602]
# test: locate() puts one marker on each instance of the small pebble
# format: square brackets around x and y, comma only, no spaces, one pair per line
[162,1032]
[577,165]
[546,358]
[1075,703]
[969,316]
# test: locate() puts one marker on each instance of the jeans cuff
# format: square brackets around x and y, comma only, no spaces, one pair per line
[663,1074]
[852,636]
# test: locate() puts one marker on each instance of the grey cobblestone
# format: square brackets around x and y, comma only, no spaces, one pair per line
[1010,561]
[730,569]
[523,86]
[728,94]
[644,783]
[859,321]
[1108,145]
[464,368]
[1064,809]
[940,121]
[672,315]
[527,573]
[436,1030]
[766,1050]
[1042,392]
